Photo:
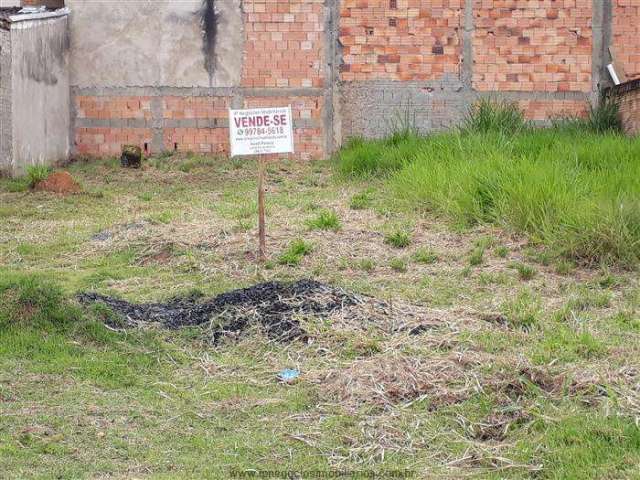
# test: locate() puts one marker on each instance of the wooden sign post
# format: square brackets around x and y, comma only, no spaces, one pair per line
[259,132]
[262,226]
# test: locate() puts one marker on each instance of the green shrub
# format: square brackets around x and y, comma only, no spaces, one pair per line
[37,174]
[398,239]
[294,252]
[325,220]
[16,185]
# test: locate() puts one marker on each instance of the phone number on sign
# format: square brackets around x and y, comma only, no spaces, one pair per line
[252,132]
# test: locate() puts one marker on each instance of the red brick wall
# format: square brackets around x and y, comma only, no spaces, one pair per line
[533,45]
[626,35]
[628,95]
[540,110]
[523,46]
[284,43]
[102,141]
[400,40]
[200,138]
[284,48]
[113,107]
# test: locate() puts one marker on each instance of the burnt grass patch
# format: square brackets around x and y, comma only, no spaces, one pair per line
[274,306]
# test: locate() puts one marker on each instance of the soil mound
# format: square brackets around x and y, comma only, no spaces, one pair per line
[276,307]
[59,182]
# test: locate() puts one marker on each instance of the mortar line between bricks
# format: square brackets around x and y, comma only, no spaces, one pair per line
[167,123]
[196,92]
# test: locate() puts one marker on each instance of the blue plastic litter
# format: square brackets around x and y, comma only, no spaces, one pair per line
[288,374]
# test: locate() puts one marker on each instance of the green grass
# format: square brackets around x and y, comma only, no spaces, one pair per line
[80,400]
[398,238]
[361,200]
[476,258]
[523,311]
[572,190]
[398,265]
[294,253]
[425,256]
[525,272]
[325,220]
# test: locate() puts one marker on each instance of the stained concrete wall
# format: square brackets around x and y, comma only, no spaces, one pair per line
[40,92]
[142,43]
[6,155]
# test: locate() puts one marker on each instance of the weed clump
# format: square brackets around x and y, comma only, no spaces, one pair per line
[425,255]
[494,116]
[398,264]
[294,253]
[523,311]
[360,201]
[37,174]
[398,239]
[325,220]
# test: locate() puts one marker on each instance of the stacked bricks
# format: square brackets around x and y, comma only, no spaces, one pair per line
[626,37]
[188,124]
[193,124]
[400,39]
[543,110]
[113,107]
[284,43]
[105,140]
[533,45]
[628,97]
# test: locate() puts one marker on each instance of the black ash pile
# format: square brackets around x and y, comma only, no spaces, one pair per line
[276,307]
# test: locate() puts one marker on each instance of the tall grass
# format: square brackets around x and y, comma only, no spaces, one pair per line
[573,190]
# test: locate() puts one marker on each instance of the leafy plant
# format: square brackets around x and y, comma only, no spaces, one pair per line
[37,174]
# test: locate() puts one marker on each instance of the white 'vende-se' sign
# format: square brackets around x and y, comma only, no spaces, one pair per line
[261,131]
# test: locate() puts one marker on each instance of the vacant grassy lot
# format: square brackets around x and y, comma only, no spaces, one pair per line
[528,365]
